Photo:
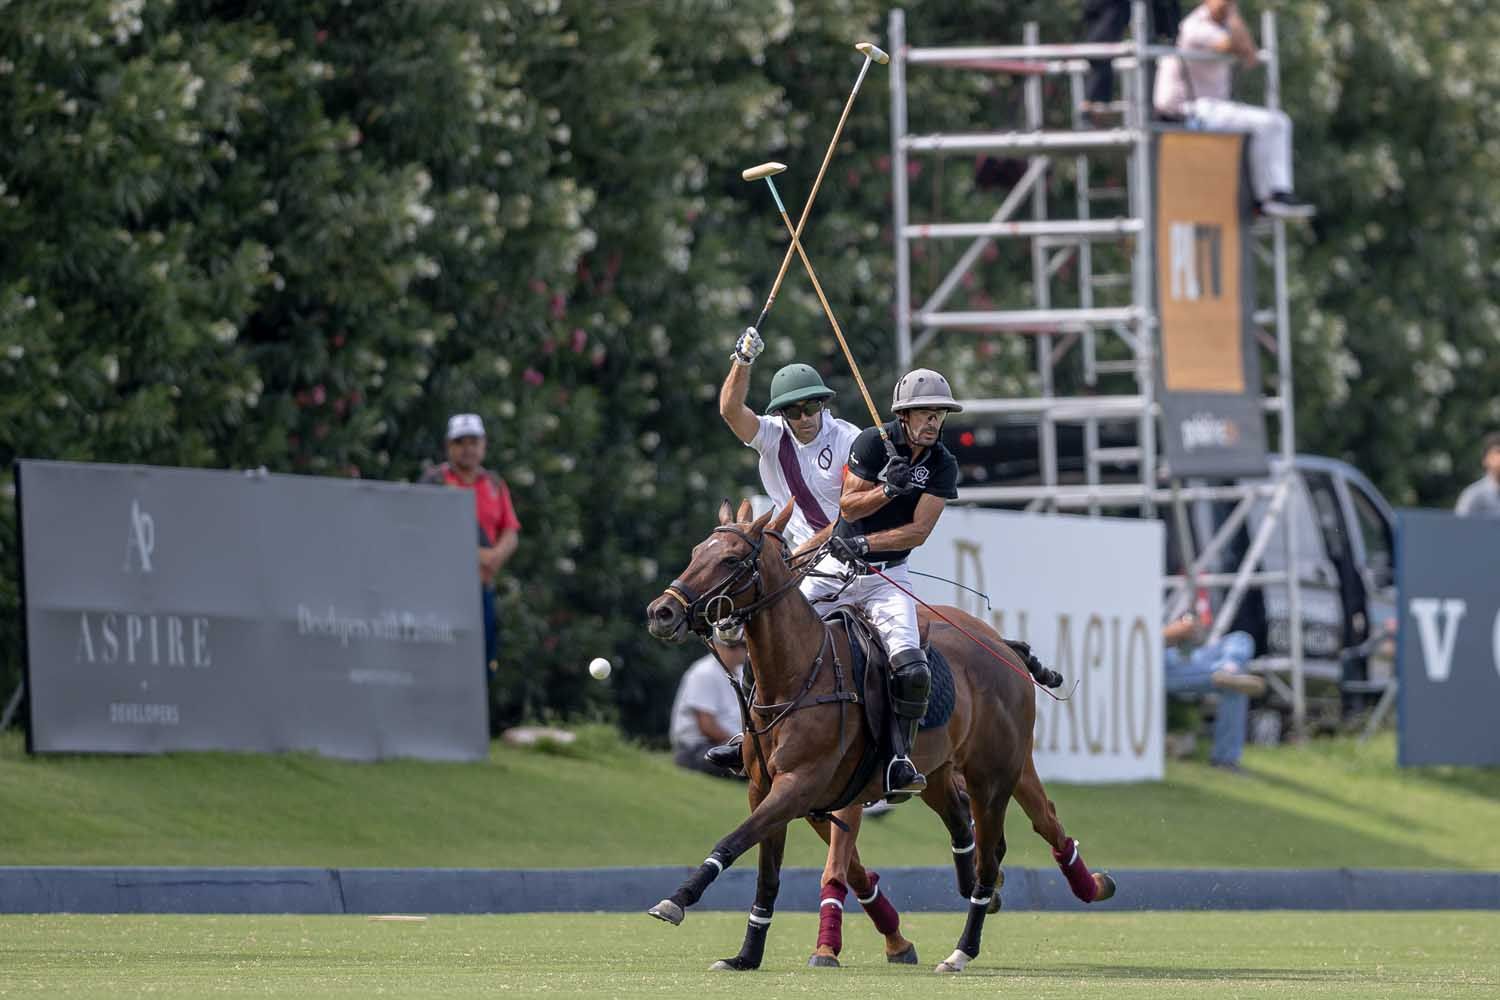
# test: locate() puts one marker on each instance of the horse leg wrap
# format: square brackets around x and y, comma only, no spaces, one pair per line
[1080,879]
[692,890]
[831,916]
[979,905]
[879,909]
[754,947]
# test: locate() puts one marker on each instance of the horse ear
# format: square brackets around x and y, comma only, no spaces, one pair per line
[781,519]
[725,512]
[746,512]
[759,525]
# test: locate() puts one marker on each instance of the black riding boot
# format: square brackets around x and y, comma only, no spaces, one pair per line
[727,755]
[911,680]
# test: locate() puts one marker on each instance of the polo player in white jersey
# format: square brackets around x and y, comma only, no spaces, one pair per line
[803,448]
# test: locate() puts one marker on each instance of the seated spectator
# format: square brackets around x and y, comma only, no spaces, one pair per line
[706,711]
[1217,667]
[1481,498]
[1197,91]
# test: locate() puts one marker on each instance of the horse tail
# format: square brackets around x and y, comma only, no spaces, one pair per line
[1043,675]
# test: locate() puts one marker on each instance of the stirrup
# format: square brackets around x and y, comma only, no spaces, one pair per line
[727,756]
[903,778]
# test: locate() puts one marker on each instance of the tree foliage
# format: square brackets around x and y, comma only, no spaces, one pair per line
[299,234]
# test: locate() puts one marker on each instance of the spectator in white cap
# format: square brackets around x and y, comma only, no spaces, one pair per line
[499,528]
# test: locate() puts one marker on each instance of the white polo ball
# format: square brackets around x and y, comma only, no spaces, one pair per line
[599,668]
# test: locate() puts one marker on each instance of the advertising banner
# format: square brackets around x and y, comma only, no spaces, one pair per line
[1212,424]
[1086,594]
[1448,639]
[186,609]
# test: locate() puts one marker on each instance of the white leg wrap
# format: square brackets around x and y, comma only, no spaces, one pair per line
[958,960]
[716,863]
[867,900]
[760,921]
[965,850]
[831,902]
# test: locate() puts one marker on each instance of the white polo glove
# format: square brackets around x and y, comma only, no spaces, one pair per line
[747,346]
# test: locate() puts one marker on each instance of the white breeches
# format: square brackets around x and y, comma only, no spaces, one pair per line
[1270,139]
[892,612]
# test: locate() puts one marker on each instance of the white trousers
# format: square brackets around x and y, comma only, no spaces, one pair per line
[892,612]
[1270,139]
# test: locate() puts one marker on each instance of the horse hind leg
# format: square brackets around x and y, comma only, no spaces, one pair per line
[1090,887]
[865,884]
[767,885]
[943,797]
[989,839]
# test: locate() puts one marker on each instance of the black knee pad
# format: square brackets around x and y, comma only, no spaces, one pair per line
[911,678]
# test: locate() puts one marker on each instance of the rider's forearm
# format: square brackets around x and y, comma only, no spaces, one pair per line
[734,390]
[907,536]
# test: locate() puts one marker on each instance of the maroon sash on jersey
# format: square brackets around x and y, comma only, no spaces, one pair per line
[792,470]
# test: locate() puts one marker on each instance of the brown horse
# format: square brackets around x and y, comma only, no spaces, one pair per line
[807,738]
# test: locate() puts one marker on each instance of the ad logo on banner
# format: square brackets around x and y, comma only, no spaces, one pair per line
[1086,594]
[141,540]
[1449,638]
[1209,371]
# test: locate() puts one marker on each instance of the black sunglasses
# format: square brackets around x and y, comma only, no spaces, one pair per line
[799,410]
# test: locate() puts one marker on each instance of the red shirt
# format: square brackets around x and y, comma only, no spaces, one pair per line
[491,502]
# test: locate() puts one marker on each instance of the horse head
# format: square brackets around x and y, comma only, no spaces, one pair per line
[724,576]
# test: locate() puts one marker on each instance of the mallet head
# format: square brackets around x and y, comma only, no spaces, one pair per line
[763,170]
[873,51]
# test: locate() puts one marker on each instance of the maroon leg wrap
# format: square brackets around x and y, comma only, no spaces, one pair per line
[831,916]
[879,908]
[1080,879]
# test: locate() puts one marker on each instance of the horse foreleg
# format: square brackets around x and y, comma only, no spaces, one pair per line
[989,840]
[786,800]
[767,885]
[1091,887]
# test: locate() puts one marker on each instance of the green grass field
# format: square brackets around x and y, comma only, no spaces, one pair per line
[1036,956]
[1332,803]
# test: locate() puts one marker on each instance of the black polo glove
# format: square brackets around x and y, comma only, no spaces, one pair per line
[896,476]
[850,550]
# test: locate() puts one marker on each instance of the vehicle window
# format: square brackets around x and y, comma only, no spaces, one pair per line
[1373,529]
[1326,509]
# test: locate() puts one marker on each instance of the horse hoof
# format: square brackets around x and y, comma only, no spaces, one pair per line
[823,962]
[668,911]
[907,957]
[735,964]
[994,906]
[954,963]
[1106,883]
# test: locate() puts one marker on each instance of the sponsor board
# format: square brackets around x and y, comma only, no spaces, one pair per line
[1448,639]
[183,609]
[1086,594]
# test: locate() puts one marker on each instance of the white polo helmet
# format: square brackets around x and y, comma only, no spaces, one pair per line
[923,389]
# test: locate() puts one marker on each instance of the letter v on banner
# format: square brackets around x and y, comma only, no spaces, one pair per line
[1438,637]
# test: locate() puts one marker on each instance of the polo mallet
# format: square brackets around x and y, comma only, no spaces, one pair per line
[765,172]
[872,53]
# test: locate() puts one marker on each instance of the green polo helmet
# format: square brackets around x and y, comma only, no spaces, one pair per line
[793,384]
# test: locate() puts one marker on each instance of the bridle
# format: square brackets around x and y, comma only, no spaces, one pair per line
[718,606]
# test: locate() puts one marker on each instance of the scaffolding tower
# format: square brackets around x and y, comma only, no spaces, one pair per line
[1112,320]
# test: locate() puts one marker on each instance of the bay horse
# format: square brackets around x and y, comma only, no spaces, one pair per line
[805,744]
